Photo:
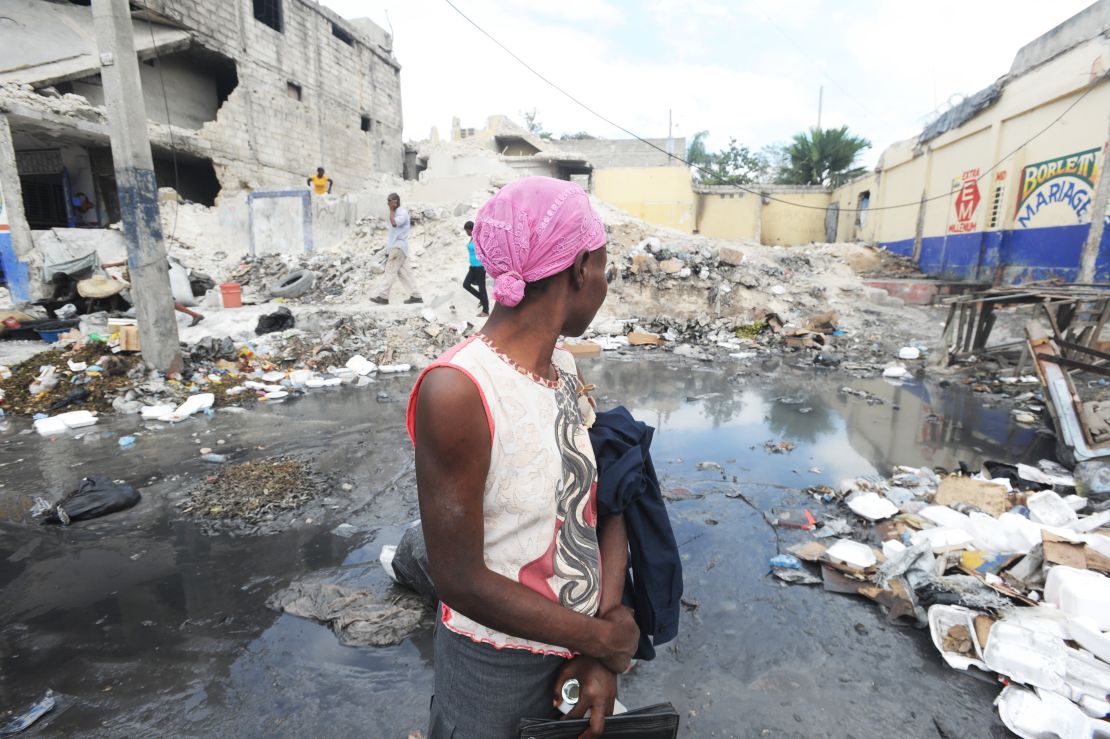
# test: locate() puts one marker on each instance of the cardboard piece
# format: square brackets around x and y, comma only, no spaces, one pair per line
[897,599]
[986,496]
[835,581]
[129,339]
[1060,551]
[810,551]
[800,338]
[822,323]
[983,626]
[643,338]
[584,349]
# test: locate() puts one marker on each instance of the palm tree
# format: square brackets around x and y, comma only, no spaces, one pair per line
[823,157]
[697,155]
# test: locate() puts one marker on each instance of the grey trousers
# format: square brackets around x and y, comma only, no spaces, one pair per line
[481,692]
[397,269]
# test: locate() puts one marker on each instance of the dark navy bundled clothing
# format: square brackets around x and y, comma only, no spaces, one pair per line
[626,484]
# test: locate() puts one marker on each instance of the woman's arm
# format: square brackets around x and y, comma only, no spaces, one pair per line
[613,540]
[452,461]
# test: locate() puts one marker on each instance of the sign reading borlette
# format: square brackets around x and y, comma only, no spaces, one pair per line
[1058,191]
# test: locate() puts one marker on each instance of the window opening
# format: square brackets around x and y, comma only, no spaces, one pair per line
[269,12]
[342,35]
[366,123]
[293,90]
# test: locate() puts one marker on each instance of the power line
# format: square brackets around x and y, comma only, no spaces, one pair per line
[169,128]
[766,196]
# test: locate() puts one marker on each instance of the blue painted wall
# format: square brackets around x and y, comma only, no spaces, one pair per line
[1017,256]
[15,271]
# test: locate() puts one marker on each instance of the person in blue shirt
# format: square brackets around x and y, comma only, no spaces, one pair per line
[475,282]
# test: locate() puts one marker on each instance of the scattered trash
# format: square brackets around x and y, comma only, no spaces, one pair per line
[909,353]
[872,506]
[58,424]
[788,561]
[358,618]
[792,518]
[126,441]
[834,527]
[851,553]
[983,495]
[95,496]
[345,530]
[213,458]
[254,493]
[1080,593]
[280,320]
[30,716]
[778,447]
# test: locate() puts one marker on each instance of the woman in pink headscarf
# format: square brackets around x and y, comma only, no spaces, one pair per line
[529,579]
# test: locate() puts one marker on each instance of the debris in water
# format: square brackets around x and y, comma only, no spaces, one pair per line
[254,492]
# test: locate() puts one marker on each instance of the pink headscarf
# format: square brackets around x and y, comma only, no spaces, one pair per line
[534,228]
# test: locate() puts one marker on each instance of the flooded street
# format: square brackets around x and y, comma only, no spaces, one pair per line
[146,626]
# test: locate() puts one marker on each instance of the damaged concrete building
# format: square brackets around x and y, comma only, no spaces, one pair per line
[241,95]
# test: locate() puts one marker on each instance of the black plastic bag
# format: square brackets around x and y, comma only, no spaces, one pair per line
[279,320]
[96,496]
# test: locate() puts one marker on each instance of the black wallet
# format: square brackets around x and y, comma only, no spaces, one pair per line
[651,722]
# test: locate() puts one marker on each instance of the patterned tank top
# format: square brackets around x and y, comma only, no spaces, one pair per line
[539,503]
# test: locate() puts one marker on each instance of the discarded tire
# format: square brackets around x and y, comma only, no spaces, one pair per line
[294,285]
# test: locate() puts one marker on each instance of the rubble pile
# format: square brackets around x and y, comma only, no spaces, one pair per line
[61,104]
[1007,568]
[82,377]
[702,297]
[254,492]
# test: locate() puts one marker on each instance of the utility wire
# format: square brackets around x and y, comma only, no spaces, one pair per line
[169,128]
[763,195]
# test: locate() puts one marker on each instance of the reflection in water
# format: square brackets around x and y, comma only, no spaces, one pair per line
[152,628]
[723,414]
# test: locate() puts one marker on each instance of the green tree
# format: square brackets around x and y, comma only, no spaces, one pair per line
[532,123]
[734,165]
[822,156]
[696,153]
[580,136]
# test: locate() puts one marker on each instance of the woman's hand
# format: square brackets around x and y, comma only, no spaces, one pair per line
[597,689]
[623,639]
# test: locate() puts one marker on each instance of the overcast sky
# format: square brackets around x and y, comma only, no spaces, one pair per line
[738,68]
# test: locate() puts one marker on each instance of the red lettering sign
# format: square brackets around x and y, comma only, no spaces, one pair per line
[967,200]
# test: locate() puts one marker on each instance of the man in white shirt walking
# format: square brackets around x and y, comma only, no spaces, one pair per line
[397,255]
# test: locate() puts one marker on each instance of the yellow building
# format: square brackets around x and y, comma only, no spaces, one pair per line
[1001,187]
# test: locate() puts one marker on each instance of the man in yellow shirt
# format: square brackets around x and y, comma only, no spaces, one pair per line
[321,183]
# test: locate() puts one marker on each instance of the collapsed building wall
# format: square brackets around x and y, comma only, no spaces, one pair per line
[240,96]
[314,90]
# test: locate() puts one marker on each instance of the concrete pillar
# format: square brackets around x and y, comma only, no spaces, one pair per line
[757,236]
[1089,255]
[919,229]
[16,245]
[138,190]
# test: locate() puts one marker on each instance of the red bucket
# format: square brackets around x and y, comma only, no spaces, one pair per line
[232,294]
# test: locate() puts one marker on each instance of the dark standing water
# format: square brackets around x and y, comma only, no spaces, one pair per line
[147,627]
